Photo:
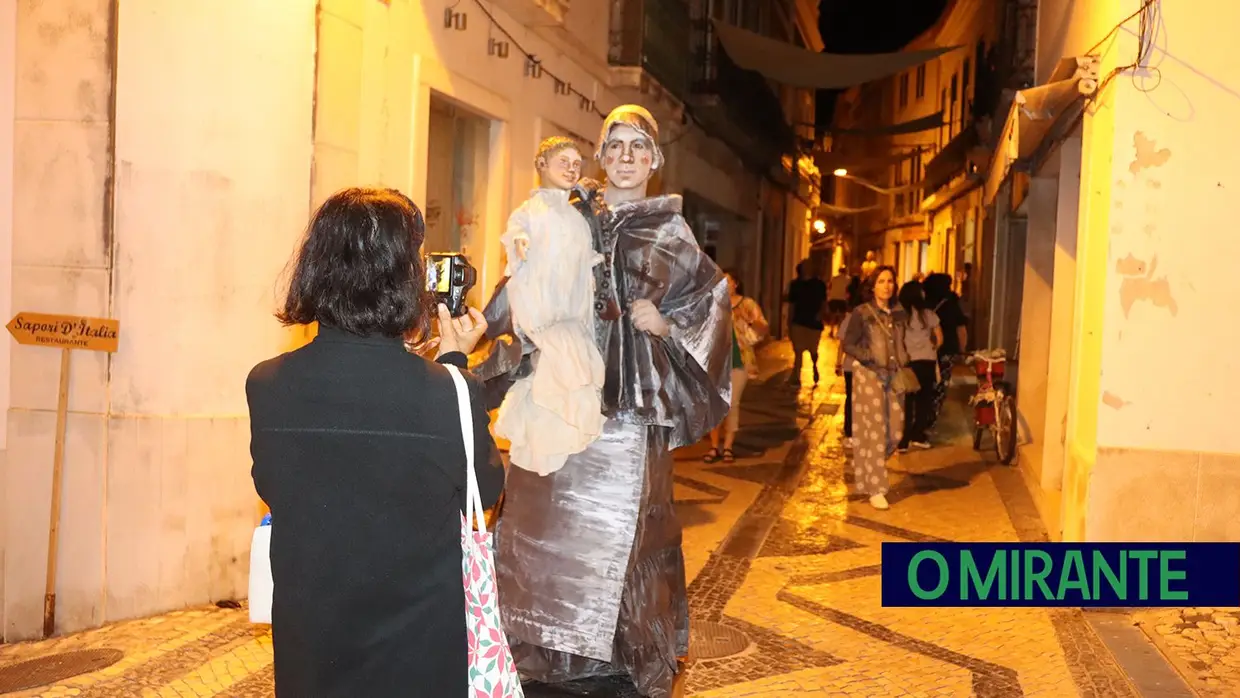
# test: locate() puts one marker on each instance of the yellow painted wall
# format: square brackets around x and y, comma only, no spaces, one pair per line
[1151,443]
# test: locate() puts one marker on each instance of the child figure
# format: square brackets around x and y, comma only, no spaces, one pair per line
[556,411]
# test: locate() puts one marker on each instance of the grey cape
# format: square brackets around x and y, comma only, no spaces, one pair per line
[591,573]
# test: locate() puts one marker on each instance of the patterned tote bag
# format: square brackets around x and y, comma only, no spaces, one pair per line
[492,672]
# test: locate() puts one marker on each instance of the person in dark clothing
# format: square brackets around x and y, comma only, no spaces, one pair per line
[946,305]
[363,467]
[844,365]
[856,292]
[807,296]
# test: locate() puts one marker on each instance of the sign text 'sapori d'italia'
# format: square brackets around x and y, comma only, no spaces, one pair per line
[1061,574]
[65,331]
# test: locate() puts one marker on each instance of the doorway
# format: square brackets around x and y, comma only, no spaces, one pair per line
[457,161]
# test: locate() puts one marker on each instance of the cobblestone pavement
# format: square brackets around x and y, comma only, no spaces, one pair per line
[1203,643]
[784,567]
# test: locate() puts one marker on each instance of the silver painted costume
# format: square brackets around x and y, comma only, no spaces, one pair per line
[591,574]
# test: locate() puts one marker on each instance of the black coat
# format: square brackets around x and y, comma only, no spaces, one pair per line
[357,450]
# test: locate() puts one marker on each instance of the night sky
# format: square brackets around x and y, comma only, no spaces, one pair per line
[871,26]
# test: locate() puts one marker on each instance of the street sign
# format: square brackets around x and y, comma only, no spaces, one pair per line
[65,331]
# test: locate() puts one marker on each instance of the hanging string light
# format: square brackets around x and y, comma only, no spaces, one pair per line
[534,67]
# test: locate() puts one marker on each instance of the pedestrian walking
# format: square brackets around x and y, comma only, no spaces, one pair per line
[749,327]
[869,267]
[807,298]
[844,365]
[875,340]
[837,299]
[946,305]
[922,337]
[363,467]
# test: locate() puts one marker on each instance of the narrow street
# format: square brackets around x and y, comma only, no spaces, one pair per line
[784,592]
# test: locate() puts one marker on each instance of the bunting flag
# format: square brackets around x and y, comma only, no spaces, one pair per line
[828,162]
[885,191]
[832,210]
[925,123]
[798,67]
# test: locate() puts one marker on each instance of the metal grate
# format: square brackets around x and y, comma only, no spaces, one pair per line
[42,671]
[709,640]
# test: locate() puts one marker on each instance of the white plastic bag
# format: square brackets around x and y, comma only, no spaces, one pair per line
[261,585]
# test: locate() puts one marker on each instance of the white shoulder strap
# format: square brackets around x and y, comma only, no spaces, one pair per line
[474,512]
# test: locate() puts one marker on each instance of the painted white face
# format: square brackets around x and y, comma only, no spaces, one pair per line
[562,170]
[628,157]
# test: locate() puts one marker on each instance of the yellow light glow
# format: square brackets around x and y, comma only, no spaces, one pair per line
[841,172]
[820,226]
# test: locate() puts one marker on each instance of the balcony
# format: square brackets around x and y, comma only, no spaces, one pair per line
[741,105]
[536,13]
[651,34]
[674,42]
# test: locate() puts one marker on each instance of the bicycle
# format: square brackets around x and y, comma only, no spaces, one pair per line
[994,404]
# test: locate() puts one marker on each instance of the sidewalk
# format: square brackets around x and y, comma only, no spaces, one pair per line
[808,594]
[784,588]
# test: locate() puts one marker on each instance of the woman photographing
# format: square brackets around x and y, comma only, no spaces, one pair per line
[362,465]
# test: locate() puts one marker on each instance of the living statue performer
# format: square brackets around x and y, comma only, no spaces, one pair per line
[591,574]
[556,411]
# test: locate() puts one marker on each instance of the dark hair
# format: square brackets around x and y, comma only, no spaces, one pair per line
[856,292]
[873,278]
[736,279]
[914,301]
[937,287]
[360,268]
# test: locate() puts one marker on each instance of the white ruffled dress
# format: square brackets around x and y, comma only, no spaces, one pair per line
[556,411]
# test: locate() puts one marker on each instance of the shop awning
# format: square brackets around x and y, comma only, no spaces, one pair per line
[1033,114]
[798,67]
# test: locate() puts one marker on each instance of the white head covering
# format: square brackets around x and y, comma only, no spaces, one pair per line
[637,118]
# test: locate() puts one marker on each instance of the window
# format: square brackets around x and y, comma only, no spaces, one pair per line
[904,90]
[456,190]
[966,108]
[942,114]
[917,194]
[954,102]
[921,81]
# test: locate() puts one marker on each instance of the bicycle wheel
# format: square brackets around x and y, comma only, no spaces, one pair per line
[1005,426]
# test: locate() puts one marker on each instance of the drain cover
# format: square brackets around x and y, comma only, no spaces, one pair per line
[42,671]
[715,640]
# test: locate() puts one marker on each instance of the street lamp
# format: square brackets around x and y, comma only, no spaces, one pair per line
[841,172]
[820,226]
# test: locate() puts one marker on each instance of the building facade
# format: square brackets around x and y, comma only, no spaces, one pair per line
[919,188]
[1118,159]
[164,159]
[733,149]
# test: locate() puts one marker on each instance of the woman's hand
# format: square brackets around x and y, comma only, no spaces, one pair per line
[647,318]
[460,334]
